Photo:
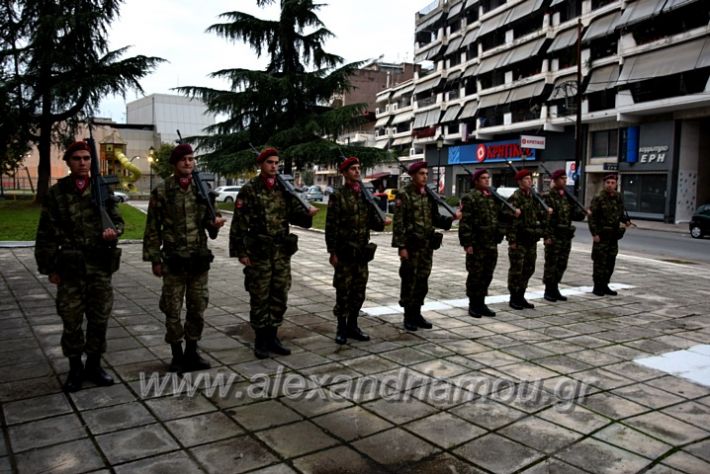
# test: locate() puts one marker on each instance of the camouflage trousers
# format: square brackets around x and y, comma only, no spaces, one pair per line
[522,266]
[90,296]
[480,267]
[268,280]
[193,289]
[414,273]
[556,258]
[604,258]
[350,282]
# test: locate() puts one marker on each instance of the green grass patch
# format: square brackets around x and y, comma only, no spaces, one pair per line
[225,206]
[20,219]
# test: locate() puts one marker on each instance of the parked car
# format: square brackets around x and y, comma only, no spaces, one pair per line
[700,222]
[121,196]
[314,193]
[227,193]
[391,193]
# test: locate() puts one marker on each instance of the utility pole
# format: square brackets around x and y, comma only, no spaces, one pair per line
[579,151]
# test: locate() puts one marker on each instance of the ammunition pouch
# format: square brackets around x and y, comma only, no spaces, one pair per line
[564,231]
[70,263]
[261,246]
[195,262]
[114,260]
[290,244]
[620,231]
[435,240]
[351,252]
[530,235]
[612,233]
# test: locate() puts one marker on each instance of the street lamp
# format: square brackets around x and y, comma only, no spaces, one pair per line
[439,146]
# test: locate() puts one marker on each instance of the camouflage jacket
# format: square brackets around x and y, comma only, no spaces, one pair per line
[69,220]
[349,219]
[530,226]
[607,212]
[259,211]
[415,217]
[177,222]
[560,221]
[479,222]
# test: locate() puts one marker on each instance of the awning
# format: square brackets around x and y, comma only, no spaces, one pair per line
[403,91]
[491,62]
[493,100]
[493,23]
[455,10]
[470,3]
[379,175]
[454,76]
[565,87]
[469,110]
[470,70]
[603,26]
[603,78]
[522,52]
[381,122]
[429,22]
[419,57]
[435,51]
[564,39]
[470,37]
[523,9]
[556,2]
[402,140]
[381,144]
[527,91]
[426,119]
[453,46]
[451,113]
[673,4]
[663,62]
[427,85]
[403,117]
[639,11]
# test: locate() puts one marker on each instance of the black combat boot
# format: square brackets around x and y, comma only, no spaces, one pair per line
[191,360]
[409,323]
[75,376]
[354,331]
[419,319]
[598,289]
[550,293]
[558,295]
[274,343]
[483,309]
[261,346]
[341,332]
[474,307]
[93,372]
[609,291]
[515,301]
[524,302]
[176,363]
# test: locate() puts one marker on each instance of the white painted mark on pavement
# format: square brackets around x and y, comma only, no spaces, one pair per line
[692,364]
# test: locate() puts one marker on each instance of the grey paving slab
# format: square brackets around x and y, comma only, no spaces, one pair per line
[36,408]
[352,423]
[487,413]
[666,428]
[686,463]
[445,430]
[117,417]
[171,407]
[574,417]
[44,432]
[74,457]
[136,443]
[442,462]
[498,454]
[171,463]
[400,410]
[296,439]
[233,455]
[401,448]
[339,460]
[540,435]
[598,457]
[632,440]
[202,429]
[553,466]
[261,415]
[100,397]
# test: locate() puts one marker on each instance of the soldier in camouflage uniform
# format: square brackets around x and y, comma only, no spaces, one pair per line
[607,213]
[523,235]
[347,237]
[479,235]
[415,217]
[259,237]
[79,255]
[176,245]
[558,235]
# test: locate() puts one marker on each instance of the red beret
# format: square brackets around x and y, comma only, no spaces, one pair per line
[179,151]
[477,174]
[347,163]
[76,146]
[266,153]
[558,174]
[415,167]
[611,176]
[521,174]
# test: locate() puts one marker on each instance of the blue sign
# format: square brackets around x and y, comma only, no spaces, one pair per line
[490,152]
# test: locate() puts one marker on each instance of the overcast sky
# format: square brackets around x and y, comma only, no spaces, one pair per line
[175,31]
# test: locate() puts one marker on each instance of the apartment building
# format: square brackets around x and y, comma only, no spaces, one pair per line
[493,70]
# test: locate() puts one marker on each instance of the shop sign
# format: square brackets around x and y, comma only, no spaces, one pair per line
[532,141]
[490,152]
[653,154]
[611,166]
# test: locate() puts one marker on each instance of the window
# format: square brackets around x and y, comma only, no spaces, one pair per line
[600,3]
[645,193]
[604,143]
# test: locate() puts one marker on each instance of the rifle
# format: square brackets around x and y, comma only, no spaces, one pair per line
[202,190]
[534,193]
[284,181]
[571,197]
[432,194]
[369,198]
[99,184]
[500,198]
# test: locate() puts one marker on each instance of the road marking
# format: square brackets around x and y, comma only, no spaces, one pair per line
[433,305]
[692,363]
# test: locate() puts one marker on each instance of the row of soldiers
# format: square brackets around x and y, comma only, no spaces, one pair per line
[80,256]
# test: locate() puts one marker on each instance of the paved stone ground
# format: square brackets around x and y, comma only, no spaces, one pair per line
[553,389]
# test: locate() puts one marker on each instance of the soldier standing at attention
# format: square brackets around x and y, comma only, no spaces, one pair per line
[479,235]
[259,237]
[415,217]
[558,236]
[175,242]
[607,212]
[347,237]
[79,255]
[523,235]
